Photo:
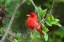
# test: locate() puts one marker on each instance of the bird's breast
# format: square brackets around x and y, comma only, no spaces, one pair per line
[31,23]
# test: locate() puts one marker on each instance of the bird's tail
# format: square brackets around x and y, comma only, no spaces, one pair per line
[40,31]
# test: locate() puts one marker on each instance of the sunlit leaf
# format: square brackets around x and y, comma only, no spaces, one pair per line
[43,25]
[57,20]
[49,18]
[37,9]
[58,24]
[45,36]
[53,22]
[52,17]
[48,23]
[15,40]
[45,29]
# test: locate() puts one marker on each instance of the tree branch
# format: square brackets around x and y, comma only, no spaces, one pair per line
[11,21]
[10,33]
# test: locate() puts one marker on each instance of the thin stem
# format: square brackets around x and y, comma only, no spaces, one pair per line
[24,36]
[33,4]
[32,38]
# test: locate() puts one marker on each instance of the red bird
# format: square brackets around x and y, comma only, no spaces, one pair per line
[32,22]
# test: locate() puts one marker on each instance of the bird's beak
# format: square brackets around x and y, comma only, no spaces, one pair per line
[27,15]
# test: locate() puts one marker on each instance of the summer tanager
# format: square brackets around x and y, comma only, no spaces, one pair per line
[32,22]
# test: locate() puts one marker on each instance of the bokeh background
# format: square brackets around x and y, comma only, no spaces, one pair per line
[56,34]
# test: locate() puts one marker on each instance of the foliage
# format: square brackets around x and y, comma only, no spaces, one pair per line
[41,9]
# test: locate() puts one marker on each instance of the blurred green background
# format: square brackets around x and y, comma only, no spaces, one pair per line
[56,34]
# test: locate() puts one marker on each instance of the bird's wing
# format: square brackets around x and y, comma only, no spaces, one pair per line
[32,23]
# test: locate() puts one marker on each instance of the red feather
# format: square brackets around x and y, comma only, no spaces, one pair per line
[32,22]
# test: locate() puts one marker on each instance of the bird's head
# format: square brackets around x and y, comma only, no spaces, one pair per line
[32,14]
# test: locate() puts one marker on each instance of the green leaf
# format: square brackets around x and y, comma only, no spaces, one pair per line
[31,35]
[57,20]
[49,39]
[45,36]
[59,33]
[48,18]
[52,17]
[8,2]
[39,17]
[37,35]
[43,25]
[58,24]
[28,2]
[15,40]
[18,36]
[43,12]
[38,9]
[1,31]
[48,23]
[45,29]
[53,22]
[48,5]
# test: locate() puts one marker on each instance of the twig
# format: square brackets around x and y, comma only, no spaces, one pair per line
[32,38]
[50,11]
[11,21]
[33,3]
[24,37]
[10,33]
